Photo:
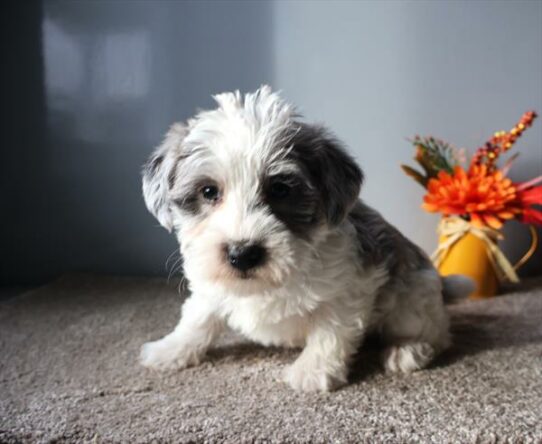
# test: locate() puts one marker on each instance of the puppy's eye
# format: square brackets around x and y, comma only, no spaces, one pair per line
[210,192]
[279,190]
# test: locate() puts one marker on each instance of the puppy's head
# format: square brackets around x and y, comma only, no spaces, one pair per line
[249,191]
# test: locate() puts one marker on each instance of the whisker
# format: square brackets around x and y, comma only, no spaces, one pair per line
[175,268]
[183,285]
[170,257]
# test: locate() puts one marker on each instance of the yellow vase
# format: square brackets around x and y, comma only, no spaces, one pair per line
[468,256]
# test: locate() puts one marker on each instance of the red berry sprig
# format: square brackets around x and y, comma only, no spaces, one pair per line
[502,141]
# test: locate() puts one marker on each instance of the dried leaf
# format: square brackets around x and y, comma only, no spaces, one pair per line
[416,175]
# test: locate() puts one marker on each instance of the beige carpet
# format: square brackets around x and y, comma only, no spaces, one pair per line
[68,373]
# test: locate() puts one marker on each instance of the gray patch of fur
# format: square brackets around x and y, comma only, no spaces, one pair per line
[380,242]
[330,168]
[300,210]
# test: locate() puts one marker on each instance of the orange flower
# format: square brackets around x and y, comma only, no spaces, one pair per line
[486,197]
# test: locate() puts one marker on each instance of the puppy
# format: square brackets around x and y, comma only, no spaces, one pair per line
[277,246]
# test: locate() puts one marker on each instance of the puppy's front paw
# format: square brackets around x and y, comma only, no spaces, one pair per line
[303,376]
[167,354]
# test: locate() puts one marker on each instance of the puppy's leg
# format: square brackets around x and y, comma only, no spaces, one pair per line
[188,343]
[406,354]
[417,328]
[323,364]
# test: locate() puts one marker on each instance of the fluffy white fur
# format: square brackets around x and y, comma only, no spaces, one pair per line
[314,291]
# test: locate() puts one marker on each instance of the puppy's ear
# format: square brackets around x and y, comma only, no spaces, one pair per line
[333,171]
[159,175]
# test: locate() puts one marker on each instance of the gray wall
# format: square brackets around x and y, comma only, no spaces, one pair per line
[89,96]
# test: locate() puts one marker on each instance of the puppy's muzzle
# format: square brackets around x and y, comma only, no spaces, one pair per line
[244,257]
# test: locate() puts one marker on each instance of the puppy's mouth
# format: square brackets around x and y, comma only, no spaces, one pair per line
[256,280]
[245,275]
[252,275]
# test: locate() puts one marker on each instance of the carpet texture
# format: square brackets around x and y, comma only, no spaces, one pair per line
[68,373]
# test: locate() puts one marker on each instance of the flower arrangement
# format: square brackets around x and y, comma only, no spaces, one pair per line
[482,193]
[480,197]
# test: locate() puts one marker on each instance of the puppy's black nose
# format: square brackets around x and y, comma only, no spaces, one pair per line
[244,257]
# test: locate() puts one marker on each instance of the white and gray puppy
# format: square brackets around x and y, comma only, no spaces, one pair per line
[277,246]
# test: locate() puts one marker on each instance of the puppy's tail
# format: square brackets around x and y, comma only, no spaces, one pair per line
[456,287]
